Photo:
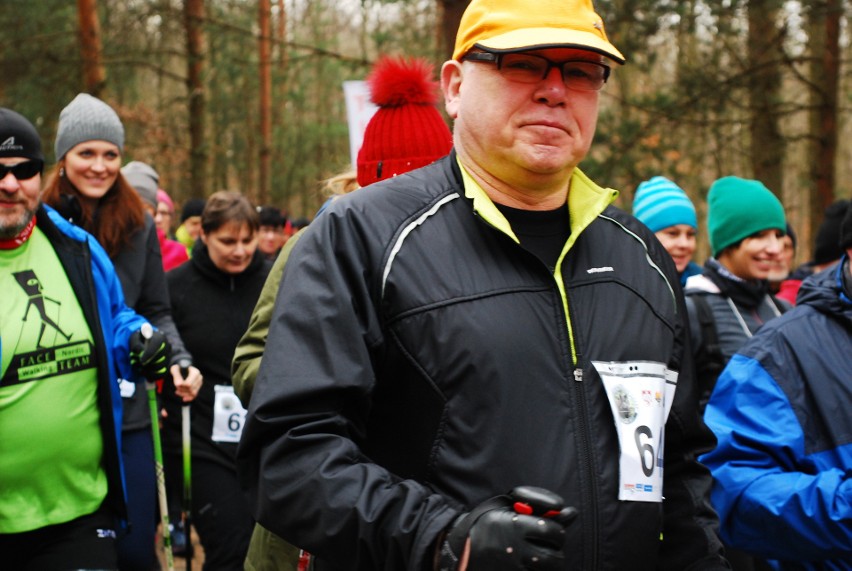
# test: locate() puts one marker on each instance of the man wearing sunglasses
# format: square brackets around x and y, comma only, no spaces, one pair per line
[19,196]
[477,365]
[64,337]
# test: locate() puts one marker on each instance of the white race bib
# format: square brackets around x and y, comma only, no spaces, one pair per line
[229,416]
[640,394]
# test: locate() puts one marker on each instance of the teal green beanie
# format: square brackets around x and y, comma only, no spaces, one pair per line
[738,208]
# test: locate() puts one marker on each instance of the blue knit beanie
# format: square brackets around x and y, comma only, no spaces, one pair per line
[738,208]
[660,203]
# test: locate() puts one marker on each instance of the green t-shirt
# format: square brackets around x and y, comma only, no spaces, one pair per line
[51,446]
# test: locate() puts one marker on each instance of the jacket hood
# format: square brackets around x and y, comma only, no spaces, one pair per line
[824,292]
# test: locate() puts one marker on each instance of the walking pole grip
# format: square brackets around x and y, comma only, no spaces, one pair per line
[147,332]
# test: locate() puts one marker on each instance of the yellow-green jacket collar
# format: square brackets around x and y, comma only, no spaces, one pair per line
[585,201]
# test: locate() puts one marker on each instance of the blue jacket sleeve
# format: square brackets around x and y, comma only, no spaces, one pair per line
[774,500]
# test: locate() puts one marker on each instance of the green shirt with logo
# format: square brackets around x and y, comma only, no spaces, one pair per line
[51,445]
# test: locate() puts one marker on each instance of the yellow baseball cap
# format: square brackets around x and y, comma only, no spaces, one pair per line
[519,25]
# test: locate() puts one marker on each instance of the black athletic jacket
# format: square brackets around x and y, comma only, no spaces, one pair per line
[211,310]
[420,361]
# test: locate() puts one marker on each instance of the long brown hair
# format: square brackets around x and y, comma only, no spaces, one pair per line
[119,213]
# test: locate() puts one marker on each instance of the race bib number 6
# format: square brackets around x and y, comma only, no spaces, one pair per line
[229,416]
[640,395]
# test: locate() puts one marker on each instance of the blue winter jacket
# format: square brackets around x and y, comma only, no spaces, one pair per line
[101,298]
[782,413]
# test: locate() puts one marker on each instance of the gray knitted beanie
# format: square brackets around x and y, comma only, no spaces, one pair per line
[144,179]
[87,118]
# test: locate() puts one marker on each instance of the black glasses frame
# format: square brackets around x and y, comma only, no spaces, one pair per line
[22,171]
[489,57]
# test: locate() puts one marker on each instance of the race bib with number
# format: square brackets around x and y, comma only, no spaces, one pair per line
[640,394]
[229,416]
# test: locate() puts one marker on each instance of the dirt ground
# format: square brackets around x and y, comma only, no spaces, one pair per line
[180,562]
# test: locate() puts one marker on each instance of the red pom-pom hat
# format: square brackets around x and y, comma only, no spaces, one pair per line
[406,132]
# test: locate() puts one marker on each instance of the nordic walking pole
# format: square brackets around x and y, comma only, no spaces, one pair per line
[187,471]
[147,331]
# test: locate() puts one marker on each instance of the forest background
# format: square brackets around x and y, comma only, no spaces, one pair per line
[247,94]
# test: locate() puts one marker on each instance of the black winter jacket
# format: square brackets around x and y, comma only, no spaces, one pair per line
[420,361]
[139,266]
[736,310]
[211,310]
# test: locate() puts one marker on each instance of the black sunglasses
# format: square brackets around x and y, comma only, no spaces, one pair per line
[22,171]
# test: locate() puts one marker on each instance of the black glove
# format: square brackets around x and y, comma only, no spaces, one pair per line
[150,357]
[522,530]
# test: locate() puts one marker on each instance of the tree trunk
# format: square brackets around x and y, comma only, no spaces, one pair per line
[281,35]
[824,77]
[94,75]
[194,14]
[765,52]
[265,51]
[279,110]
[450,13]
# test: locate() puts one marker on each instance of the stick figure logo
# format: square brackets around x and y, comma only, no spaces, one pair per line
[31,285]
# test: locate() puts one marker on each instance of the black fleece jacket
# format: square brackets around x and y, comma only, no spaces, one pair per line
[211,310]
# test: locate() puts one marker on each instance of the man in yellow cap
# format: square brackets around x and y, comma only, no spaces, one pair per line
[479,364]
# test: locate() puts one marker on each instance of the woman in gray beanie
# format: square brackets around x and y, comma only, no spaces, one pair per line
[88,189]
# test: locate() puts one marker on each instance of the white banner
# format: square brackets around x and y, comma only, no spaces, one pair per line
[359,111]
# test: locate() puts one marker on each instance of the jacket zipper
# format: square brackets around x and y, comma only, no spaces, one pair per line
[585,454]
[579,392]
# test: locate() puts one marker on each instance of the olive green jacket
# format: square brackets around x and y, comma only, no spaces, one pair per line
[249,350]
[267,551]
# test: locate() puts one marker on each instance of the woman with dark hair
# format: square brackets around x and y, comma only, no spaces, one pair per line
[88,189]
[213,295]
[664,207]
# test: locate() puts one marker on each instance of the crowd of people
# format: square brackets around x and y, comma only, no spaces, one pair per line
[478,362]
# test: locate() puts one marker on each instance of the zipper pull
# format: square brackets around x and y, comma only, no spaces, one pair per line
[578,375]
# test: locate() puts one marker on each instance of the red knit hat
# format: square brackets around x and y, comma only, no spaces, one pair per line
[406,132]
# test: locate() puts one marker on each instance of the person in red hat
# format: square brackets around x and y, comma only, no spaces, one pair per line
[478,364]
